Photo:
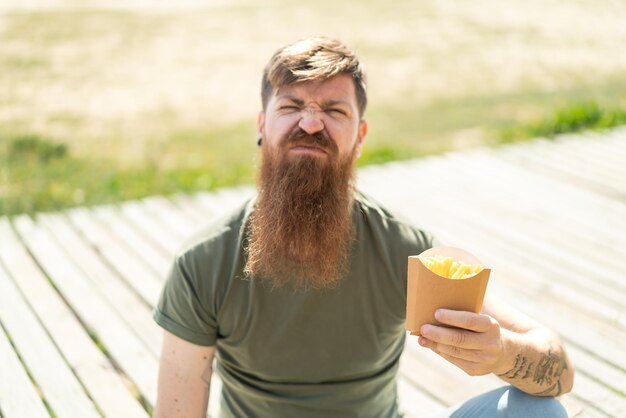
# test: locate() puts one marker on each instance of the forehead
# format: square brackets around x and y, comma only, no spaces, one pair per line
[337,88]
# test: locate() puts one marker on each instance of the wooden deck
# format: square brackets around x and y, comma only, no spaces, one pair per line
[549,218]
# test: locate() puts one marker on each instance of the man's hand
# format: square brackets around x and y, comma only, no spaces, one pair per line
[476,344]
[503,341]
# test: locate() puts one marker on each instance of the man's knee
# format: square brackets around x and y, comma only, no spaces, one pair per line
[516,404]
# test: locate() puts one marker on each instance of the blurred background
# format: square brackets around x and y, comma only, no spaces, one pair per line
[102,101]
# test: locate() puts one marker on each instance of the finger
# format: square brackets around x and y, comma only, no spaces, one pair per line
[452,351]
[469,367]
[450,336]
[462,319]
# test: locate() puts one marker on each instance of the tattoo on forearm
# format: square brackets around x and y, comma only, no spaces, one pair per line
[550,367]
[551,389]
[547,371]
[522,365]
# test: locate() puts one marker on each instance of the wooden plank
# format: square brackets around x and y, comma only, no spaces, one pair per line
[497,157]
[537,208]
[145,282]
[127,350]
[575,269]
[442,381]
[152,229]
[617,138]
[597,397]
[188,205]
[575,275]
[414,403]
[171,217]
[156,258]
[91,366]
[544,196]
[207,203]
[606,374]
[562,171]
[595,150]
[222,201]
[588,232]
[130,307]
[18,396]
[581,154]
[52,374]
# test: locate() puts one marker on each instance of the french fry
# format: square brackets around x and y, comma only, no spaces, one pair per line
[450,268]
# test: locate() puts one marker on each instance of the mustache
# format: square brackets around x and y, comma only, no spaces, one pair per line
[319,139]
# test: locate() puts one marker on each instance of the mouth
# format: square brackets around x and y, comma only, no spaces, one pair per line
[307,149]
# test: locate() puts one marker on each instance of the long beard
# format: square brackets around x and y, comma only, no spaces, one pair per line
[301,228]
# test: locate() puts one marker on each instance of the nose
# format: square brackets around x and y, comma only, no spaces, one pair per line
[311,122]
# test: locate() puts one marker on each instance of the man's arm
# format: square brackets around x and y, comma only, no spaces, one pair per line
[505,342]
[184,379]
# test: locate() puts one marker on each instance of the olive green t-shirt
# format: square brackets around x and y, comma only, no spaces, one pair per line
[286,353]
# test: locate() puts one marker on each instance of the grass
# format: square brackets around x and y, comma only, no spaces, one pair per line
[571,118]
[43,178]
[107,105]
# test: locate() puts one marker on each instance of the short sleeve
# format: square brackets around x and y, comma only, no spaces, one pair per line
[421,240]
[432,240]
[182,310]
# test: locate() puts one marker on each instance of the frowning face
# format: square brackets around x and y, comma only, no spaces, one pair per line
[317,118]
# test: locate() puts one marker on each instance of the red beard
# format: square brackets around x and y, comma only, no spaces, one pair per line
[301,228]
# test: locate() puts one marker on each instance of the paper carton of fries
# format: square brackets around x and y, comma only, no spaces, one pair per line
[443,277]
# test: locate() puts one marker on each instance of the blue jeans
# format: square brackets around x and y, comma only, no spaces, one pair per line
[506,402]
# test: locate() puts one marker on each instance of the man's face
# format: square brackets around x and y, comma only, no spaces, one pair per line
[320,107]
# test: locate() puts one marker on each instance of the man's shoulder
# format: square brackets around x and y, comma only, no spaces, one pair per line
[389,223]
[372,209]
[221,233]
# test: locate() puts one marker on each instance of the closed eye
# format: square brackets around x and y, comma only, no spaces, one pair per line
[337,112]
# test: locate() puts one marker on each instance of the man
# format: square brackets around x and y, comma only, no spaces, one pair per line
[302,291]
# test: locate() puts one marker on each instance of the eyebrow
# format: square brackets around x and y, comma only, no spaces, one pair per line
[327,103]
[292,98]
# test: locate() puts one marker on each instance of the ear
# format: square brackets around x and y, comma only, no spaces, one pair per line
[361,136]
[260,122]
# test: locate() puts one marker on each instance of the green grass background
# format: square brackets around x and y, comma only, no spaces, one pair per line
[102,104]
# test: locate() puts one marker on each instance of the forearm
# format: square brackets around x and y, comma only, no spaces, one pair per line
[185,371]
[536,363]
[180,399]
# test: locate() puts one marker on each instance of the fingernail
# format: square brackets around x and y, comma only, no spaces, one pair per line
[438,314]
